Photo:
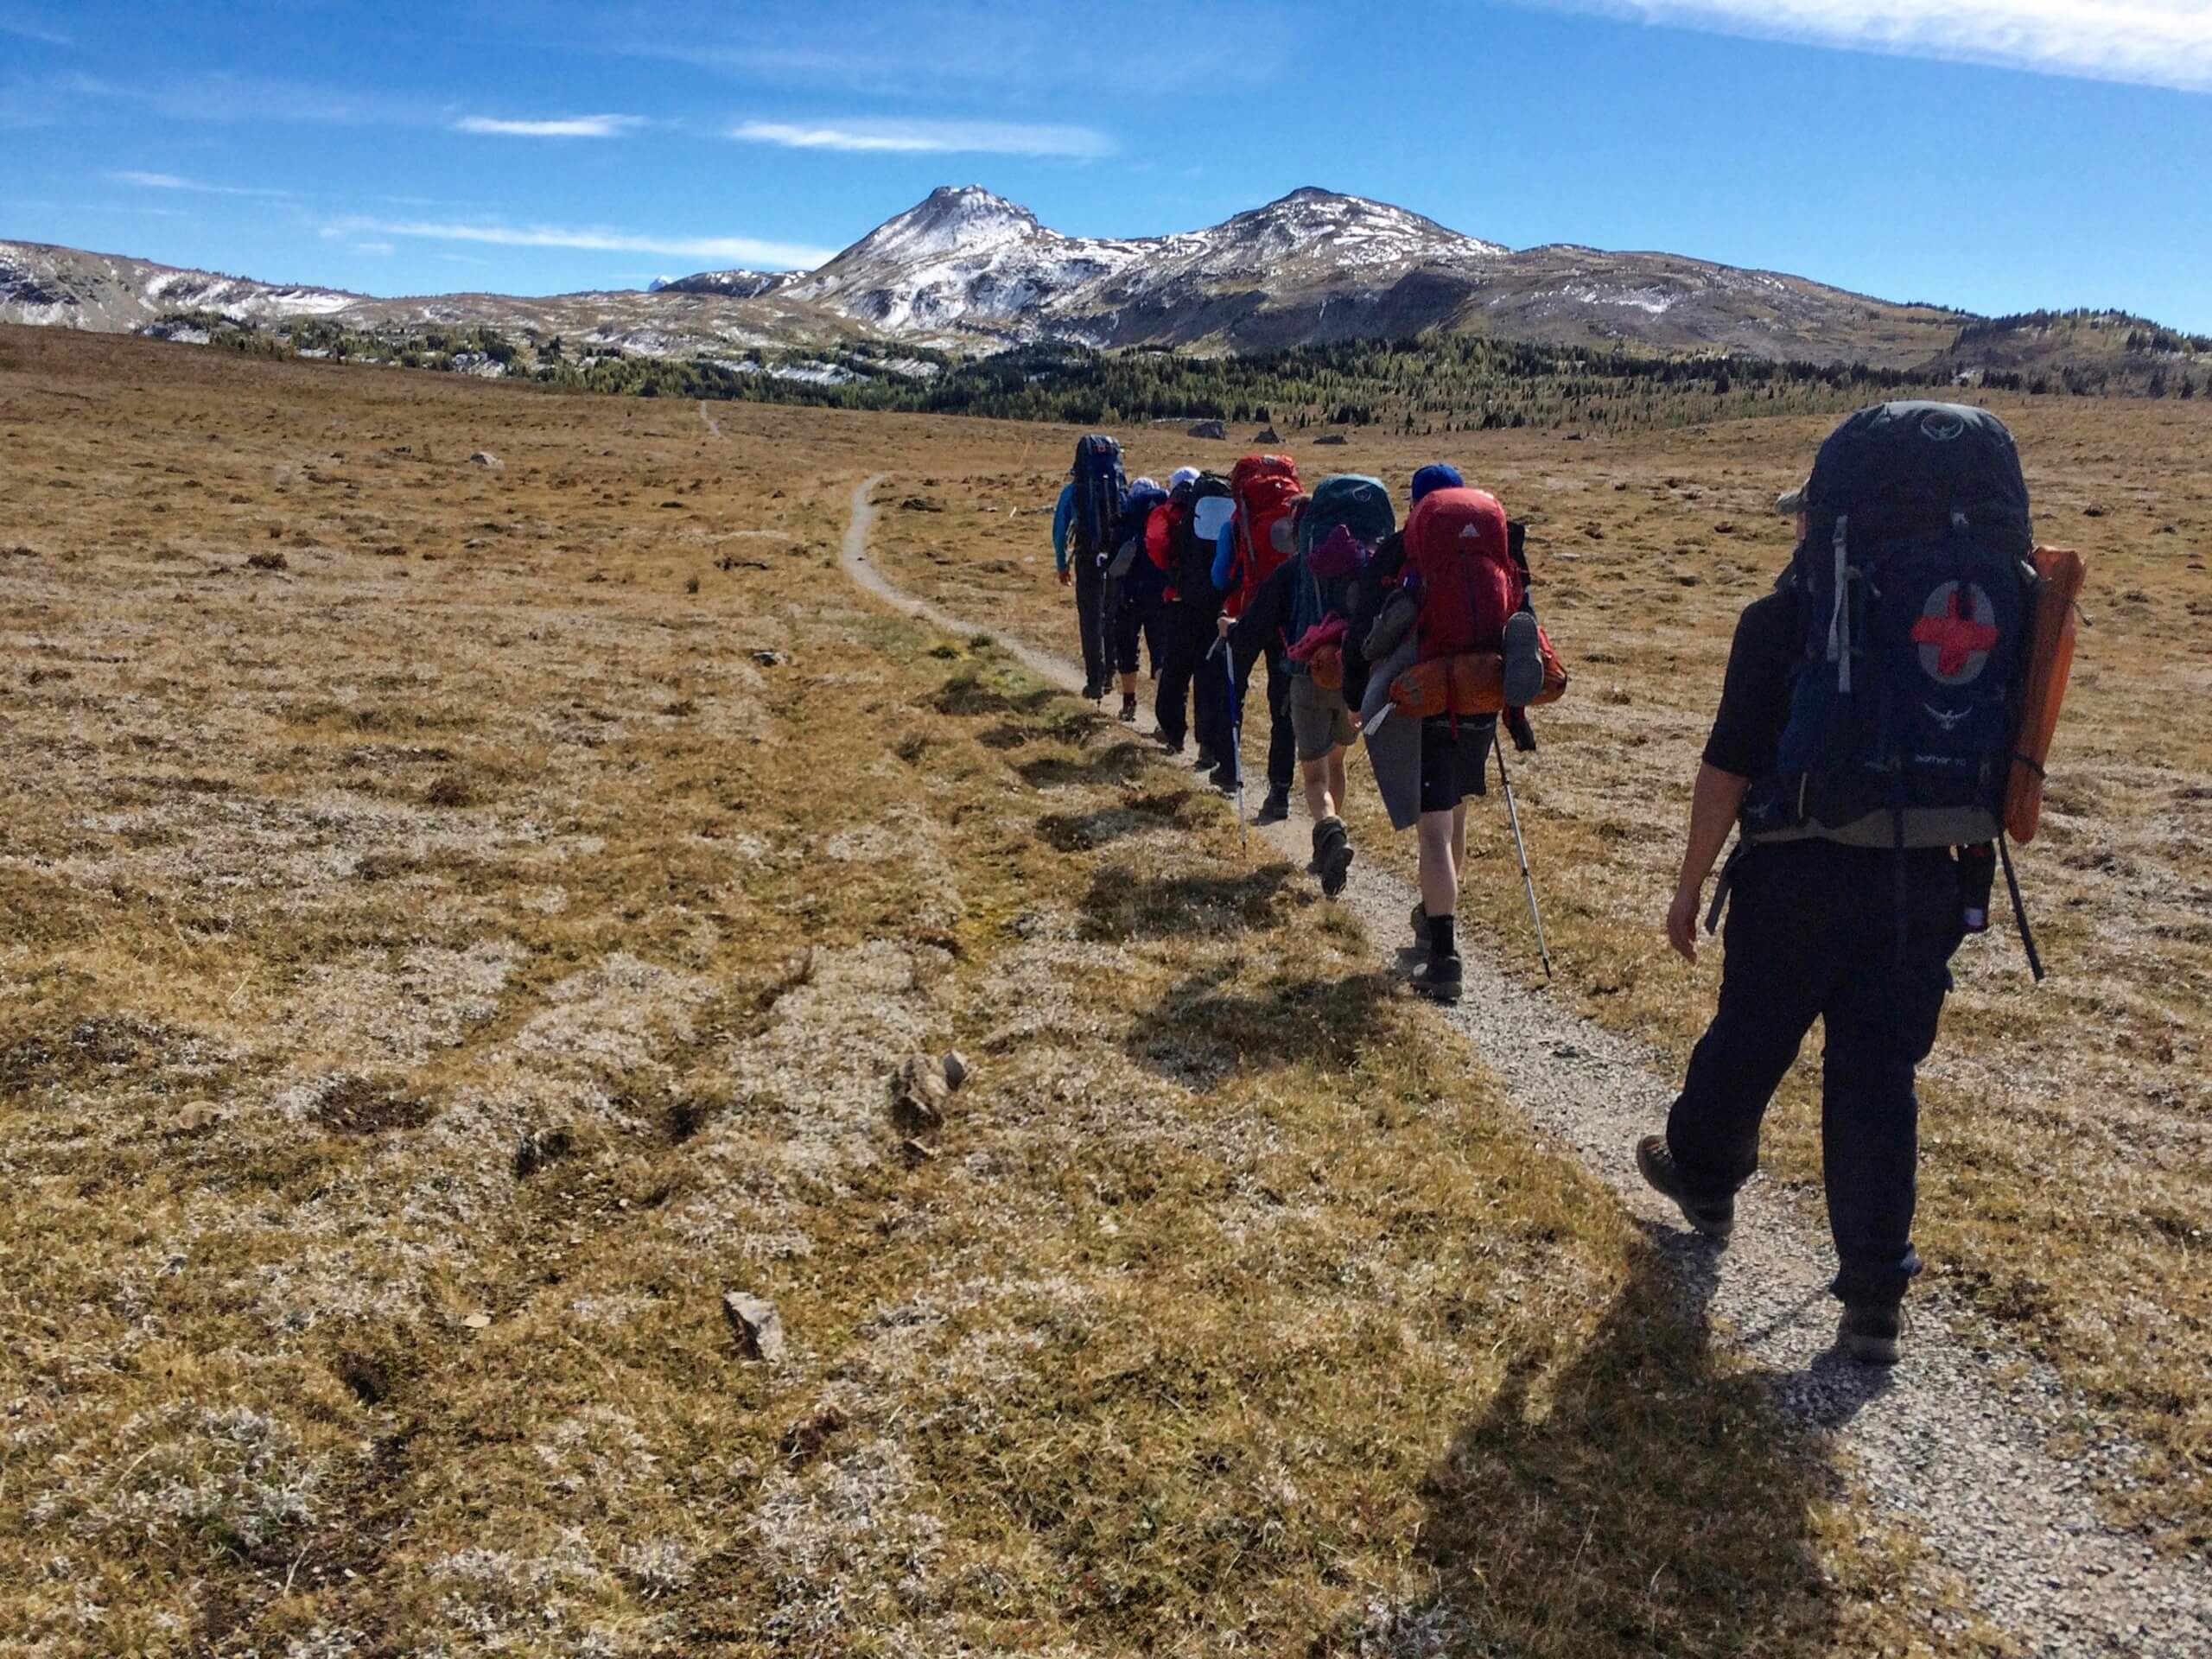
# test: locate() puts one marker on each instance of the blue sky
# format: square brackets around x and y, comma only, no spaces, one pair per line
[1993,153]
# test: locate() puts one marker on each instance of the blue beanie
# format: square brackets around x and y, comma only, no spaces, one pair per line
[1436,476]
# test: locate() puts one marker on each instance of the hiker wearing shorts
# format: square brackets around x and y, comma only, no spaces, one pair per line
[1843,906]
[1458,591]
[1310,602]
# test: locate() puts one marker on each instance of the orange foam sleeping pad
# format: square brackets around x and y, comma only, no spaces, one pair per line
[2059,575]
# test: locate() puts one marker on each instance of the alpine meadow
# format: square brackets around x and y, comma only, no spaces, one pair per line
[1159,912]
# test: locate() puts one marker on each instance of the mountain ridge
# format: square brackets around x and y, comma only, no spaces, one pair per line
[972,271]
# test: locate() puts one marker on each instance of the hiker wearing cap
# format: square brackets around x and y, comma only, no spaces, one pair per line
[1134,590]
[1084,522]
[1863,732]
[1454,644]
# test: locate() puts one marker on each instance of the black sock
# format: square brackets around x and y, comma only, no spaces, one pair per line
[1440,936]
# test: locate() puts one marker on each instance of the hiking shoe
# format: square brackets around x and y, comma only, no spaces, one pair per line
[1173,745]
[1276,808]
[1092,690]
[1440,980]
[1868,1332]
[1524,661]
[1332,855]
[1205,760]
[1224,778]
[1129,709]
[1714,1218]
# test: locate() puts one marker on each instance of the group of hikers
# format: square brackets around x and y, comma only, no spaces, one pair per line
[1882,727]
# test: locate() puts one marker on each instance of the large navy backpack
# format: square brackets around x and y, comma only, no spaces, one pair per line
[1915,582]
[1099,487]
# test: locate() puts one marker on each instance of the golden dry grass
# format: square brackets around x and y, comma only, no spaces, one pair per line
[440,964]
[2067,1166]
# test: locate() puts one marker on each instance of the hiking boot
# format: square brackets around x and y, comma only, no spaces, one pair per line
[1129,708]
[1421,925]
[1224,778]
[1868,1332]
[1714,1218]
[1205,760]
[1172,744]
[1332,855]
[1524,661]
[1092,690]
[1439,982]
[1276,808]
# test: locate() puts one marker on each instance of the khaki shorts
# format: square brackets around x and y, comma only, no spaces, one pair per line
[1318,719]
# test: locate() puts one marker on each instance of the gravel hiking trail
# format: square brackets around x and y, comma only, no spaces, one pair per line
[1959,1443]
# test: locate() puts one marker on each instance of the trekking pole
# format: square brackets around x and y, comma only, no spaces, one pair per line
[1236,750]
[1513,817]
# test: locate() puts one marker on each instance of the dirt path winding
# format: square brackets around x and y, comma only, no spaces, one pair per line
[1957,1444]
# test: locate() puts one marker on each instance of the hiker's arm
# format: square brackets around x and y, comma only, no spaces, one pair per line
[1063,517]
[1714,803]
[1225,558]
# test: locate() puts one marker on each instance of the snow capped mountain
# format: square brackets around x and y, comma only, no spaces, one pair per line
[44,284]
[968,269]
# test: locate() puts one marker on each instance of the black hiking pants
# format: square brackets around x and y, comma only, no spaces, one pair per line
[1814,932]
[1090,616]
[1186,633]
[1282,742]
[1136,619]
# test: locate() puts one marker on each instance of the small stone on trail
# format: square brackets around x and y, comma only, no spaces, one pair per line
[759,1328]
[955,1069]
[478,1321]
[919,1092]
[485,458]
[913,1154]
[769,658]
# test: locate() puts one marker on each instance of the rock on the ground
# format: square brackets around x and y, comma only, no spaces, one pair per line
[1332,437]
[757,1325]
[1266,435]
[484,458]
[956,1068]
[1209,430]
[919,1094]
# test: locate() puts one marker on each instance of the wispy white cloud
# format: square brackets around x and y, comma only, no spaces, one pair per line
[24,30]
[2141,43]
[171,182]
[569,126]
[737,249]
[379,249]
[928,137]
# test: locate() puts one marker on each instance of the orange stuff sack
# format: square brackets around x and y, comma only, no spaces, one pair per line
[1469,683]
[2059,576]
[1326,665]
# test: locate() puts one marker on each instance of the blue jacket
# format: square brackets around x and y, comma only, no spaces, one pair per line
[1063,521]
[1225,558]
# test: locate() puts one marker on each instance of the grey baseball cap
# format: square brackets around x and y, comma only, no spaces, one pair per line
[1792,503]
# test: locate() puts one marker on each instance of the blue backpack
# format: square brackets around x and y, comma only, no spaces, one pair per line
[1362,506]
[1099,486]
[1914,583]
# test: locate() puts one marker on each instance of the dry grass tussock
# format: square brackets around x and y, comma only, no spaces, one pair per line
[2067,1174]
[437,970]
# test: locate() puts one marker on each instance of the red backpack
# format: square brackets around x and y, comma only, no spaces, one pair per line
[1456,542]
[1264,487]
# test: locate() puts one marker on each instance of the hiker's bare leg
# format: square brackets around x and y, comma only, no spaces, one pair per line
[1458,849]
[1440,863]
[1129,683]
[1337,777]
[1314,774]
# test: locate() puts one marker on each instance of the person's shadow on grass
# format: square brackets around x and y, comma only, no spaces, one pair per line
[1651,1497]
